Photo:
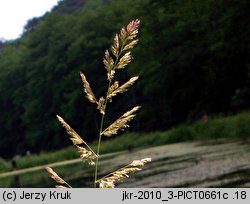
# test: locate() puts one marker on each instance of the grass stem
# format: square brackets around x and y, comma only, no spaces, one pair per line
[100,136]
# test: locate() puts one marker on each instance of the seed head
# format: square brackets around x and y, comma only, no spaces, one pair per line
[89,93]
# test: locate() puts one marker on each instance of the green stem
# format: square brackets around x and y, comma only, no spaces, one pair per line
[100,136]
[103,115]
[90,149]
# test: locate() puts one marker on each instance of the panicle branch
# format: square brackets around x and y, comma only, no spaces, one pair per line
[75,138]
[109,180]
[121,123]
[124,61]
[88,155]
[115,89]
[58,179]
[89,93]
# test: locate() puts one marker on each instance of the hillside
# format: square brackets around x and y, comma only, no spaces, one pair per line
[192,59]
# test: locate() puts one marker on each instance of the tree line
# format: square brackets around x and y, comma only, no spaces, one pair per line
[192,59]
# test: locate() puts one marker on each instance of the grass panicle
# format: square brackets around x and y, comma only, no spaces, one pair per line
[122,173]
[118,57]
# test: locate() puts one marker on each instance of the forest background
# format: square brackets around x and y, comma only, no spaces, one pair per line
[192,59]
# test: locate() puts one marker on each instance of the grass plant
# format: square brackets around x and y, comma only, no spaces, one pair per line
[115,59]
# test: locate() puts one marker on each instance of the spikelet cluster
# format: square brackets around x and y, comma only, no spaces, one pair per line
[101,105]
[115,88]
[110,180]
[120,55]
[61,183]
[121,123]
[85,154]
[87,89]
[74,137]
[117,58]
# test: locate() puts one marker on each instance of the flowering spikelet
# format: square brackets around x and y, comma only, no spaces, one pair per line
[130,45]
[89,93]
[124,61]
[141,162]
[112,88]
[75,138]
[86,155]
[120,123]
[132,29]
[100,105]
[109,65]
[115,47]
[115,89]
[110,180]
[106,183]
[58,179]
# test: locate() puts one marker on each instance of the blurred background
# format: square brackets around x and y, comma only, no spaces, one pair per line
[194,88]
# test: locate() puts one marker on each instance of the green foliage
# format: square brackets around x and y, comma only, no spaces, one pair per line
[197,57]
[4,166]
[230,127]
[47,158]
